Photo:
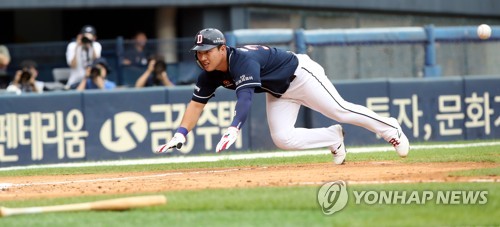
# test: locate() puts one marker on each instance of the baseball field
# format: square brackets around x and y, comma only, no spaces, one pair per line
[277,191]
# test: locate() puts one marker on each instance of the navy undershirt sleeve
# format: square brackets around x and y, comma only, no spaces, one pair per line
[242,106]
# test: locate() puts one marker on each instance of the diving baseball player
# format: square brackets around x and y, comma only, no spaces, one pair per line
[289,80]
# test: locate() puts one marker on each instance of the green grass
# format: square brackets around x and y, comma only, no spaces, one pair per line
[477,172]
[478,154]
[273,206]
[278,206]
[169,166]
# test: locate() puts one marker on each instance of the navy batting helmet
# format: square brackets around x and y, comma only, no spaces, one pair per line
[207,39]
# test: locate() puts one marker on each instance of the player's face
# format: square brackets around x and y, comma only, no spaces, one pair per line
[213,59]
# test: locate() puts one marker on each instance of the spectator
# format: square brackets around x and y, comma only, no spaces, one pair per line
[81,52]
[95,76]
[25,79]
[155,74]
[4,59]
[137,56]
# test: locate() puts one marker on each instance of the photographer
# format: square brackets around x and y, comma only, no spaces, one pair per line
[81,53]
[155,74]
[24,80]
[95,76]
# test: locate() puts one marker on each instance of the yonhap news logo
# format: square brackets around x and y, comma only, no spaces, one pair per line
[333,197]
[451,197]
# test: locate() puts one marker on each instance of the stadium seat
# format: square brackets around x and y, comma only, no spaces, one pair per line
[61,75]
[130,74]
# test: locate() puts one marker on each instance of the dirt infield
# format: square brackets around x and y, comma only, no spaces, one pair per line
[20,188]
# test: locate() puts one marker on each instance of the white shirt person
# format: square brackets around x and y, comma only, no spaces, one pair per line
[81,53]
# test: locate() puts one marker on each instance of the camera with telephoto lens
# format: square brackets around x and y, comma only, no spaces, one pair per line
[25,75]
[86,40]
[95,71]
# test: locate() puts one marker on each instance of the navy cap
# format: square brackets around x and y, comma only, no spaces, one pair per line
[88,29]
[103,62]
[207,39]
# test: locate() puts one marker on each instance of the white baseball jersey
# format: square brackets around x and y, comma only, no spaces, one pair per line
[84,59]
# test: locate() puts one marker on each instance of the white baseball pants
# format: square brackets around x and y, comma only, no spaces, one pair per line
[313,89]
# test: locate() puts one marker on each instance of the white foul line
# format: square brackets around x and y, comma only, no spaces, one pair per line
[215,158]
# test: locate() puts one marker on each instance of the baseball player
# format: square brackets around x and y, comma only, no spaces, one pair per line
[289,80]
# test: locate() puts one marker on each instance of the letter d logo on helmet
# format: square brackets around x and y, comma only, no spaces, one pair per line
[332,197]
[199,39]
[207,39]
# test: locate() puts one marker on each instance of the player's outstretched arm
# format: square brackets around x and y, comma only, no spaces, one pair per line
[242,109]
[188,122]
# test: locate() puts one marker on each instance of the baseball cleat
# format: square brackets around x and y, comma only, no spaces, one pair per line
[399,140]
[338,150]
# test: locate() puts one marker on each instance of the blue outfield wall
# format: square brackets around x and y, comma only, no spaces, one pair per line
[72,126]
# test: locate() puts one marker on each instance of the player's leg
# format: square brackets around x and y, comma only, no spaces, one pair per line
[314,89]
[281,117]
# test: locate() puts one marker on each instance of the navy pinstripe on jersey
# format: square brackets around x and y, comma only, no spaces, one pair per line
[263,68]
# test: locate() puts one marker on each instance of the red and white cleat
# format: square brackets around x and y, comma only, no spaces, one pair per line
[399,140]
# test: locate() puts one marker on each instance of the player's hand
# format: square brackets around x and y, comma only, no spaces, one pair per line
[177,141]
[227,139]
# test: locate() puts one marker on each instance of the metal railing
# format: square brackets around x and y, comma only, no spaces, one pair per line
[344,53]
